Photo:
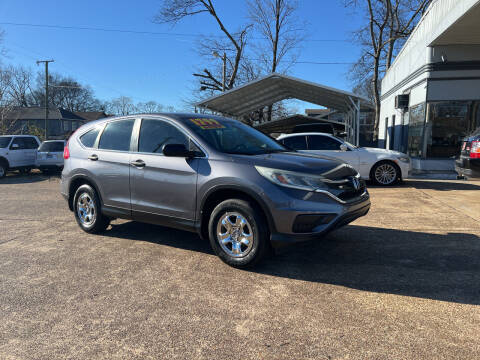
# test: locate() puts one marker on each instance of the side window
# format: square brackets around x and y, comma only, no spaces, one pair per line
[88,139]
[116,135]
[320,142]
[30,143]
[296,142]
[20,144]
[154,134]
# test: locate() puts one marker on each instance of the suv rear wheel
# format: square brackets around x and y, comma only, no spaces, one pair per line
[238,233]
[87,210]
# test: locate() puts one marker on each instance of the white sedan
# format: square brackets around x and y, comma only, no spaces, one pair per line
[383,167]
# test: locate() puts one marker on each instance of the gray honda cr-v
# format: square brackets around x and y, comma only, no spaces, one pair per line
[217,177]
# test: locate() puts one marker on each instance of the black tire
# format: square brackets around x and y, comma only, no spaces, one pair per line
[3,169]
[391,168]
[99,222]
[254,221]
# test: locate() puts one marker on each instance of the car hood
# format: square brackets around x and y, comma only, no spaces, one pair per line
[378,151]
[305,163]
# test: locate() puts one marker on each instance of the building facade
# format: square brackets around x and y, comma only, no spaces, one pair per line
[431,94]
[61,122]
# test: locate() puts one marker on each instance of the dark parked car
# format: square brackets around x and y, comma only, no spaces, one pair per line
[468,164]
[218,177]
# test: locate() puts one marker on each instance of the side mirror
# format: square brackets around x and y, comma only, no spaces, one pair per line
[14,146]
[177,150]
[343,147]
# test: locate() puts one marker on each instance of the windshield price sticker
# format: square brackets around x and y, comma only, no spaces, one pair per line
[207,124]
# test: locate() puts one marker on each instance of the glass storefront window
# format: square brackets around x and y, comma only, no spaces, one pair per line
[448,123]
[416,129]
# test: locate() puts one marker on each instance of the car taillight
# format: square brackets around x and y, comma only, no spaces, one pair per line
[66,152]
[475,150]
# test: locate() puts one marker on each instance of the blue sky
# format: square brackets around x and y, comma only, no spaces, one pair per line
[156,67]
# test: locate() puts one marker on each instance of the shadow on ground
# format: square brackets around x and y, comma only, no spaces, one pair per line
[33,177]
[431,185]
[441,267]
[444,185]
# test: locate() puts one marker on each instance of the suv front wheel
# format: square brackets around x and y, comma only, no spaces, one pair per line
[3,169]
[238,233]
[87,210]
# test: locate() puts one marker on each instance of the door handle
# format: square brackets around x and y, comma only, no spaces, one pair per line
[93,157]
[138,163]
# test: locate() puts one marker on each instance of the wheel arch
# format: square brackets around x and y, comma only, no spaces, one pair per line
[78,181]
[221,193]
[4,160]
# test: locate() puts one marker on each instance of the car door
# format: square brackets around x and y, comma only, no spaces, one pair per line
[109,164]
[30,152]
[17,152]
[162,186]
[330,146]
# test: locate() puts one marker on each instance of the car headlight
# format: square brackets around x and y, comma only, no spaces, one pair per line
[292,179]
[404,159]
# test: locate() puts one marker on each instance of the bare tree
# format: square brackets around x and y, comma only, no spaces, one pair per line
[7,106]
[233,44]
[148,107]
[20,86]
[67,93]
[388,24]
[279,27]
[122,105]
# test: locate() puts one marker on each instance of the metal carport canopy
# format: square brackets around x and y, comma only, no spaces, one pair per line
[276,87]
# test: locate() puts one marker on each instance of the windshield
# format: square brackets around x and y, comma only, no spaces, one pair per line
[233,137]
[54,146]
[4,141]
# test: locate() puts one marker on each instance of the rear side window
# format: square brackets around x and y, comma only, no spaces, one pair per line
[296,142]
[116,135]
[154,134]
[30,143]
[319,142]
[56,146]
[88,139]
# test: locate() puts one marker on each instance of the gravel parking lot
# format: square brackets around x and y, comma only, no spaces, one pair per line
[402,282]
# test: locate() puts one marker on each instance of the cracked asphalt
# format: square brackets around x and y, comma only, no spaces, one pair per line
[402,282]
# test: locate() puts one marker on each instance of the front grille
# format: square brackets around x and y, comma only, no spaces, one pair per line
[349,190]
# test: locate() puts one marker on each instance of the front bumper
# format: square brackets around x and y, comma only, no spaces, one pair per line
[405,168]
[338,215]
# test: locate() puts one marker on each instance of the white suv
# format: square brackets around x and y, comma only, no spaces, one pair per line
[17,152]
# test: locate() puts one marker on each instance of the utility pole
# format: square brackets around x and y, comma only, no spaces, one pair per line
[224,60]
[46,93]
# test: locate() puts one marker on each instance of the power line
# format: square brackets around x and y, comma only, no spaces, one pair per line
[88,28]
[76,73]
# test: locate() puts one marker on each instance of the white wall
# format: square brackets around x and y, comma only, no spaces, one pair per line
[454,90]
[440,16]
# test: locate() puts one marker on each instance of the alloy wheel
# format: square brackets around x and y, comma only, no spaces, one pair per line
[86,209]
[235,235]
[385,174]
